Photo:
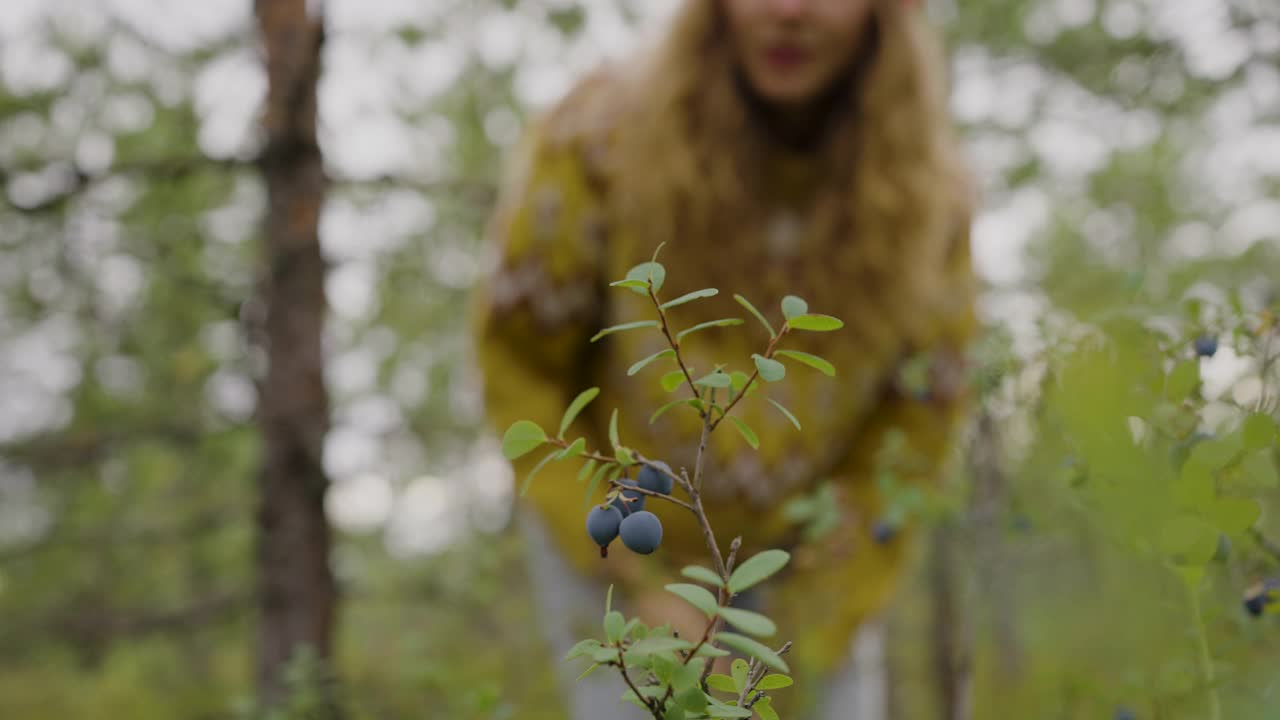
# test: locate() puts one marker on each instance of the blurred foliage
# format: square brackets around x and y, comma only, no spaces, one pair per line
[1137,132]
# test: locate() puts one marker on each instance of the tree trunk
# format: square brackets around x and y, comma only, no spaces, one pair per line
[296,590]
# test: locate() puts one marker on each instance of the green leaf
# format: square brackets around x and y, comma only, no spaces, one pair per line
[815,323]
[747,433]
[1234,515]
[689,297]
[686,677]
[641,364]
[718,709]
[1182,380]
[608,599]
[625,326]
[613,429]
[740,670]
[711,651]
[522,438]
[696,596]
[586,470]
[604,654]
[793,306]
[702,574]
[725,322]
[757,569]
[541,463]
[786,412]
[774,682]
[716,379]
[576,448]
[658,413]
[770,370]
[595,482]
[625,456]
[1258,432]
[613,624]
[652,272]
[752,309]
[752,623]
[812,361]
[676,713]
[673,379]
[723,683]
[588,671]
[753,648]
[575,407]
[739,381]
[652,645]
[641,285]
[690,698]
[1191,574]
[765,710]
[583,648]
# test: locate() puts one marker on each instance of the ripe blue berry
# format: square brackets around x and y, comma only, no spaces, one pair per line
[1257,597]
[1124,713]
[602,526]
[641,532]
[628,501]
[655,480]
[882,532]
[1206,345]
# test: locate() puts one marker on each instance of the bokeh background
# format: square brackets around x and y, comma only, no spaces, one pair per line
[1129,158]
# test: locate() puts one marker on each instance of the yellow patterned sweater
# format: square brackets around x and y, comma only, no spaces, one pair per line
[561,238]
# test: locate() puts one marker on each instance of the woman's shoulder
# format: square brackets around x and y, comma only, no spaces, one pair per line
[587,119]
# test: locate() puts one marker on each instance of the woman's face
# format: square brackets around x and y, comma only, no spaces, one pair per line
[792,50]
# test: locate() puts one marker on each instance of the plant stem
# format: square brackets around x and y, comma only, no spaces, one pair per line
[1206,659]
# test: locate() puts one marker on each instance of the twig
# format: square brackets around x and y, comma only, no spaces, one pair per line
[755,673]
[768,353]
[675,345]
[622,665]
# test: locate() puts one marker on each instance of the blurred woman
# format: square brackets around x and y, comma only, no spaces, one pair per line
[776,147]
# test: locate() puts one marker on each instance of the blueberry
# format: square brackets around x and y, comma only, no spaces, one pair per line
[655,480]
[1124,713]
[641,532]
[882,532]
[1206,345]
[628,501]
[1255,604]
[602,526]
[1260,595]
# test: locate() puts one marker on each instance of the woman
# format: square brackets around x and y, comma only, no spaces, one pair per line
[776,147]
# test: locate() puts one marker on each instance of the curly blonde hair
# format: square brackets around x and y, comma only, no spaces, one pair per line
[692,161]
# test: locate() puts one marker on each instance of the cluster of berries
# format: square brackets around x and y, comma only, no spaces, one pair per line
[625,516]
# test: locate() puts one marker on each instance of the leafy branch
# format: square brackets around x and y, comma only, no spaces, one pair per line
[671,677]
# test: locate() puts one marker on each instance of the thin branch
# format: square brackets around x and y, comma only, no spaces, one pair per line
[622,666]
[768,353]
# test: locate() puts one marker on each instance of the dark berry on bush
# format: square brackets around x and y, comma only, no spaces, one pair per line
[655,480]
[1260,595]
[641,532]
[882,532]
[1124,713]
[628,501]
[1206,345]
[602,526]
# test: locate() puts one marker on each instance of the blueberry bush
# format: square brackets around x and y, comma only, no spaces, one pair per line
[669,676]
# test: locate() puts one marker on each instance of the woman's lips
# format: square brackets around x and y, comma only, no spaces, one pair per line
[785,57]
